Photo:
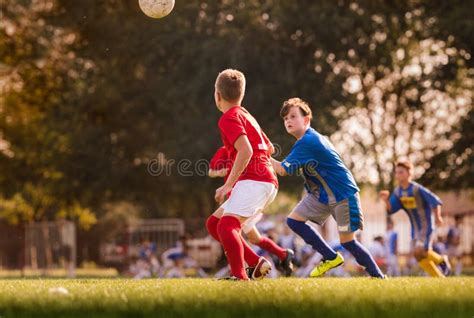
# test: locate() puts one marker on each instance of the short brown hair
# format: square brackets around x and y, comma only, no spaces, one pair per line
[405,164]
[231,84]
[296,102]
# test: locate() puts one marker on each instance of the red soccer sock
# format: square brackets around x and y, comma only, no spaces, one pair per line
[251,258]
[272,247]
[229,234]
[211,225]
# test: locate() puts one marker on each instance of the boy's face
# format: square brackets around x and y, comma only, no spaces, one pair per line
[402,174]
[295,123]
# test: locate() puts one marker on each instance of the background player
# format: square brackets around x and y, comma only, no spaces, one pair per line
[424,210]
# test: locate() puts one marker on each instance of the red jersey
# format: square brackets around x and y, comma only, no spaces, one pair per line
[220,160]
[237,121]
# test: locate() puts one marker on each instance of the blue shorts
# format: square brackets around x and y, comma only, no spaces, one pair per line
[423,239]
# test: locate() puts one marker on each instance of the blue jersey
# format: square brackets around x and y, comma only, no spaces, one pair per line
[418,202]
[325,174]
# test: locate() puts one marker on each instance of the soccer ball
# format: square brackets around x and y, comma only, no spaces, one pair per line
[156,8]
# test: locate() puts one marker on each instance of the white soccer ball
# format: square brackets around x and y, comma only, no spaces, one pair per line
[156,8]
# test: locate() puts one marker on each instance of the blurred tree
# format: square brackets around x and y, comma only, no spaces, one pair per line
[406,90]
[454,168]
[41,81]
[94,94]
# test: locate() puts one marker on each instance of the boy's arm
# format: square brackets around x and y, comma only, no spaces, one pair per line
[271,148]
[438,217]
[278,167]
[384,195]
[392,203]
[244,153]
[217,173]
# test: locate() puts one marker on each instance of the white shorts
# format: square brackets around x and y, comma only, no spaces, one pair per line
[249,197]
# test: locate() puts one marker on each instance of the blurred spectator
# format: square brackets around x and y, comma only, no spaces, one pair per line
[177,262]
[67,239]
[147,254]
[439,245]
[287,239]
[378,250]
[411,267]
[453,244]
[139,268]
[308,260]
[391,245]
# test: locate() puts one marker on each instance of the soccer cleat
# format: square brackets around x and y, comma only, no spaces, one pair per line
[445,266]
[286,265]
[326,265]
[261,270]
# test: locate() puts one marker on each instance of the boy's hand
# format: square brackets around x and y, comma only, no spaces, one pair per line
[221,193]
[276,165]
[384,195]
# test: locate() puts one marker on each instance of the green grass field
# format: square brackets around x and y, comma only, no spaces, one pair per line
[327,297]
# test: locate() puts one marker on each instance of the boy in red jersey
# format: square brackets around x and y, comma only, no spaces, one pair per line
[251,179]
[219,166]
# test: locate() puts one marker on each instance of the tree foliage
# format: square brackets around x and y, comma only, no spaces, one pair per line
[94,91]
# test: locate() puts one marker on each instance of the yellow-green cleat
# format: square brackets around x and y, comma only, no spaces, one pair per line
[326,265]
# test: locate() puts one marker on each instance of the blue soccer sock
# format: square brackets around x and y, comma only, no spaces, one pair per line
[312,237]
[363,257]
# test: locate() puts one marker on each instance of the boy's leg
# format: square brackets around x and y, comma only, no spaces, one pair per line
[229,234]
[426,257]
[309,208]
[212,222]
[251,258]
[349,219]
[265,243]
[247,198]
[361,254]
[430,268]
[435,257]
[298,225]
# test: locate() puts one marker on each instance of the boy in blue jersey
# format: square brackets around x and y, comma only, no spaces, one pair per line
[424,210]
[331,191]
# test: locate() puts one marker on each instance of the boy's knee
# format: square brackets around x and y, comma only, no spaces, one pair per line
[419,253]
[292,223]
[346,237]
[253,238]
[226,223]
